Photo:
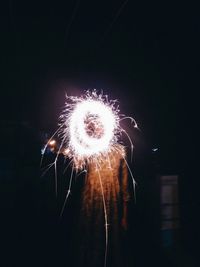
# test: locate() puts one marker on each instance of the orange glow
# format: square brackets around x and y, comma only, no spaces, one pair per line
[52,143]
[66,151]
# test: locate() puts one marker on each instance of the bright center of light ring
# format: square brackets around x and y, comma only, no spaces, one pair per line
[81,142]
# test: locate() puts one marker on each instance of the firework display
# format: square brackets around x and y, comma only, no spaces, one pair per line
[90,127]
[89,135]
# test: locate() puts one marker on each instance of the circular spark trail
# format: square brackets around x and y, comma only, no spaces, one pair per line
[90,127]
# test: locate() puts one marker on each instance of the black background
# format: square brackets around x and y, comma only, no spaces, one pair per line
[143,53]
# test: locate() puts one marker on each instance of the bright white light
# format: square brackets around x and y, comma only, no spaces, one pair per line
[91,127]
[154,149]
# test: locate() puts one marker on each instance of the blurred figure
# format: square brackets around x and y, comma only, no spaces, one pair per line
[114,178]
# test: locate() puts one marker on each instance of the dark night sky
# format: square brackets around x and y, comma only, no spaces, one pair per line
[143,53]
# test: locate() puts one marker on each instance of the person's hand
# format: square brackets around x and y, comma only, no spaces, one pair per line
[124,224]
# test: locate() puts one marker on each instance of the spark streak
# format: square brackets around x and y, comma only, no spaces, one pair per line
[105,218]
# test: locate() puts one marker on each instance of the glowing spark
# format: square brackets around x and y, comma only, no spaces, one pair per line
[66,152]
[90,127]
[68,192]
[52,142]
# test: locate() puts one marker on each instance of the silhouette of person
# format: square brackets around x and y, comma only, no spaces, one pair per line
[108,181]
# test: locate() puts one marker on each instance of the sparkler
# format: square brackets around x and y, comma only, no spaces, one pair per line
[90,127]
[89,130]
